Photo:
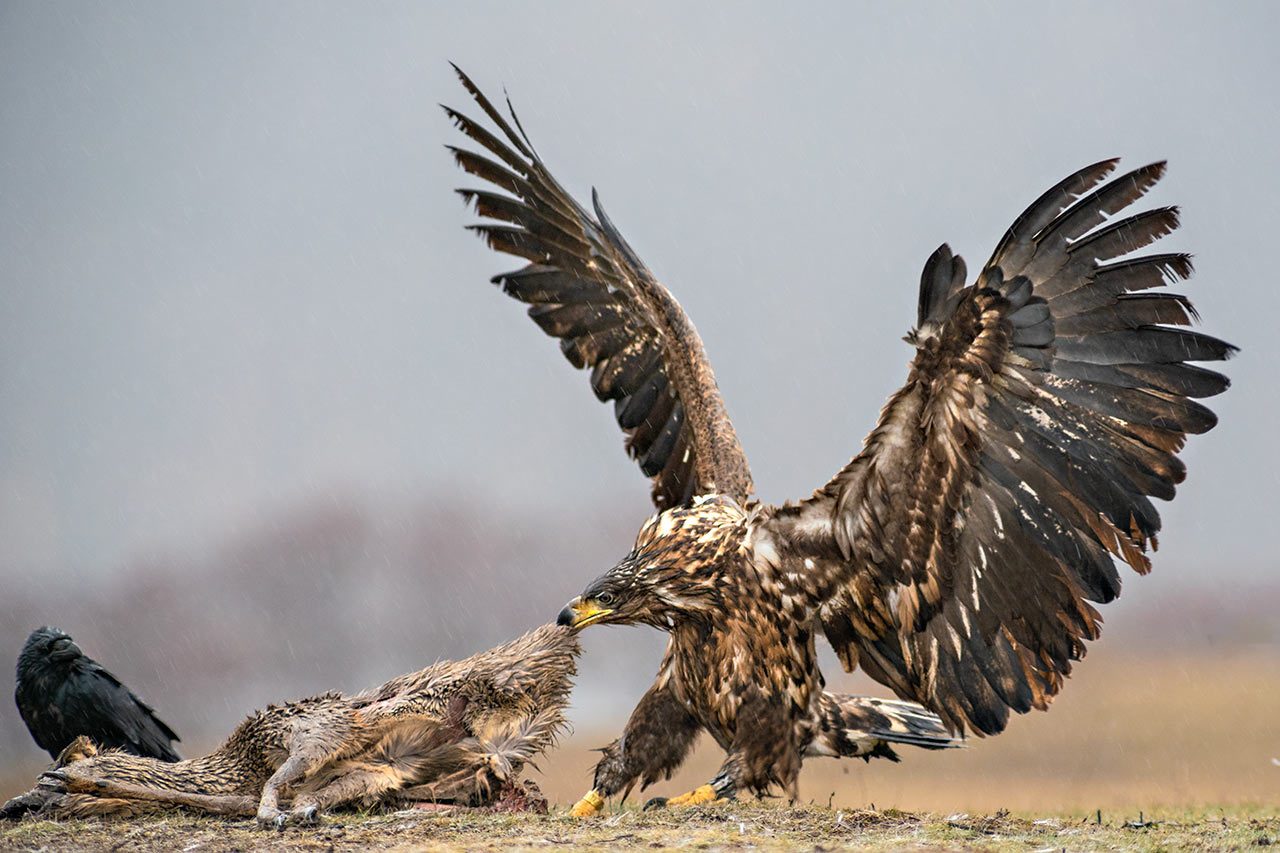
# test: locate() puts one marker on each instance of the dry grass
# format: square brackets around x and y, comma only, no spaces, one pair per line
[1134,737]
[735,826]
[1128,733]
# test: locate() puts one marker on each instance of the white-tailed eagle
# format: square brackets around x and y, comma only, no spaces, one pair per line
[955,557]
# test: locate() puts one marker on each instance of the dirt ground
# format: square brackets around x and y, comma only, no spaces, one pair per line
[732,826]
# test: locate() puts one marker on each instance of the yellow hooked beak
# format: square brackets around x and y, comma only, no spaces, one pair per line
[580,613]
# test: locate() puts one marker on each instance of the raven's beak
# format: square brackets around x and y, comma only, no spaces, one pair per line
[580,613]
[64,649]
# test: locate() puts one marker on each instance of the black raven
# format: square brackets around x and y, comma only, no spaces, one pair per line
[62,693]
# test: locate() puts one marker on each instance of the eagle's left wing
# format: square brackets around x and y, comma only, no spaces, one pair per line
[586,286]
[955,556]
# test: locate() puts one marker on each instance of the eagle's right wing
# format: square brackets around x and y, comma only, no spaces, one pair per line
[955,557]
[588,288]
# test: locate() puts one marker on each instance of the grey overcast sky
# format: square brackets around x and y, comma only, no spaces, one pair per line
[235,275]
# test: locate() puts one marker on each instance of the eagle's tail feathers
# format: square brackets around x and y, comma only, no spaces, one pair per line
[864,727]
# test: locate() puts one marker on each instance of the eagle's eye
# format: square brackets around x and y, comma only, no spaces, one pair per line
[605,598]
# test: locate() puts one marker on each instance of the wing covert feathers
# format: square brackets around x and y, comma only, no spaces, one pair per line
[955,558]
[587,287]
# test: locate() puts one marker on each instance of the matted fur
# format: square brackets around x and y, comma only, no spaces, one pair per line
[454,732]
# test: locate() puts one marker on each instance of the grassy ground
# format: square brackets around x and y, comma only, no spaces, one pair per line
[734,826]
[1127,734]
[1145,741]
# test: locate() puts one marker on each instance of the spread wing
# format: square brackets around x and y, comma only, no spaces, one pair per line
[587,287]
[955,557]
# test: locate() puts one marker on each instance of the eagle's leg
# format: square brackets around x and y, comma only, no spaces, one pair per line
[723,787]
[764,752]
[655,742]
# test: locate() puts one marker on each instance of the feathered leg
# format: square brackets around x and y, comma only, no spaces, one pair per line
[764,752]
[655,742]
[863,727]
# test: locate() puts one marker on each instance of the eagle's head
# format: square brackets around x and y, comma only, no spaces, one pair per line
[674,572]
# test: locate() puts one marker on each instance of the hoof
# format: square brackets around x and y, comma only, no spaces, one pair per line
[656,803]
[305,814]
[269,818]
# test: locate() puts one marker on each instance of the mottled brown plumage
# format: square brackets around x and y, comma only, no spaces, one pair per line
[955,557]
[455,732]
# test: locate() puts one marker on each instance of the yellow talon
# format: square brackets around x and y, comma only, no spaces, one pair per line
[696,797]
[589,806]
